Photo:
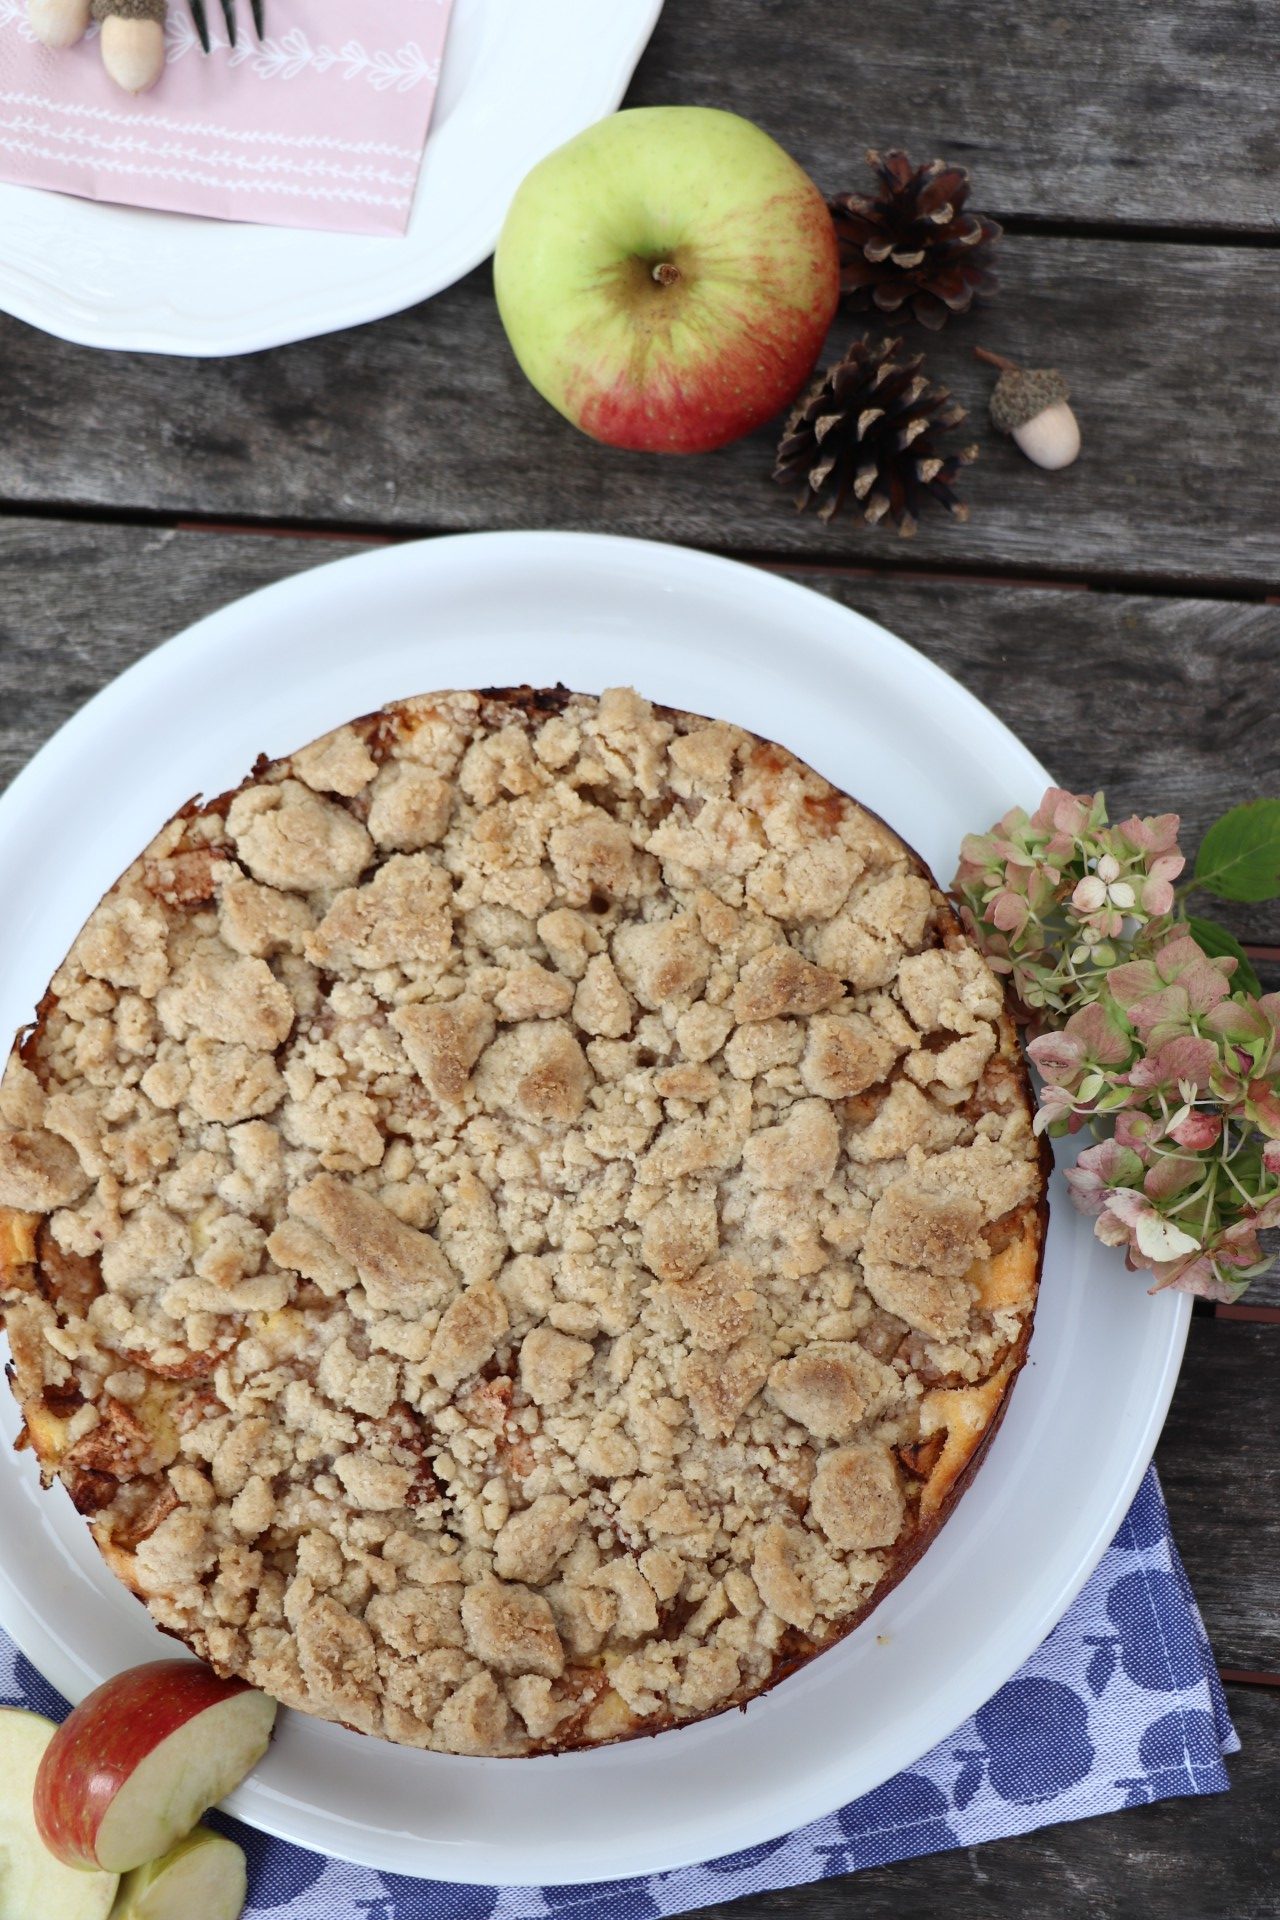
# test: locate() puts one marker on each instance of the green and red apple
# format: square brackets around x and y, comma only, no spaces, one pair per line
[667,278]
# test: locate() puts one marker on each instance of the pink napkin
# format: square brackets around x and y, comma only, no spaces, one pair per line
[322,125]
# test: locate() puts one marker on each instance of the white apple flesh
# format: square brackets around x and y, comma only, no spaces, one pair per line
[33,1885]
[202,1878]
[132,1769]
[667,278]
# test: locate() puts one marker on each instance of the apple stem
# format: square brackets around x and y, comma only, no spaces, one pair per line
[666,274]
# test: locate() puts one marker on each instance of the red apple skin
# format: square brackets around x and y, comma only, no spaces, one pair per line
[102,1741]
[731,393]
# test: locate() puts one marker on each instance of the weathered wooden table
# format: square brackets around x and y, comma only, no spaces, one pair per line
[1124,616]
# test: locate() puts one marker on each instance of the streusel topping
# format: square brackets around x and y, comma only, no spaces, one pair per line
[518,1219]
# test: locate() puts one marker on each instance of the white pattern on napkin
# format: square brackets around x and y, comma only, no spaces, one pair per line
[221,136]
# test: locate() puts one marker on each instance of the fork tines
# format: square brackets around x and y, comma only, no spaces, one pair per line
[201,19]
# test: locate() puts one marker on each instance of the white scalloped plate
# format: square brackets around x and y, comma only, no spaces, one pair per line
[268,674]
[519,78]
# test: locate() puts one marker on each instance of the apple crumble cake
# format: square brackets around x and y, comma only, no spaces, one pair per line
[518,1222]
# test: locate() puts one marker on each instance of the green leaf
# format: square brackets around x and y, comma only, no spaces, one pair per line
[1239,857]
[1216,941]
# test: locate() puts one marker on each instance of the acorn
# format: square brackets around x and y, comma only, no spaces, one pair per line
[132,41]
[58,23]
[1032,406]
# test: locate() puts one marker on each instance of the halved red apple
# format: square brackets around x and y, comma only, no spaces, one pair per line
[132,1769]
[33,1885]
[202,1878]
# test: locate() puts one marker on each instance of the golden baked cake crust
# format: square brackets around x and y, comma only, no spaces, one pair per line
[518,1223]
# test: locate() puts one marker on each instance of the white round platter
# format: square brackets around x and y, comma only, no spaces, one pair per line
[269,673]
[519,78]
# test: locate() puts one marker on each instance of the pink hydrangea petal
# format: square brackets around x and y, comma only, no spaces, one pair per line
[1009,913]
[1157,834]
[1056,1056]
[1090,893]
[1111,1232]
[1194,1276]
[1045,815]
[1264,1103]
[1102,1035]
[1127,1205]
[1197,1131]
[1133,982]
[1171,1175]
[1134,1130]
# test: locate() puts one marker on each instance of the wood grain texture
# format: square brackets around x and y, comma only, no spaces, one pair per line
[1264,1292]
[1215,1858]
[1123,691]
[1220,1469]
[1120,691]
[425,424]
[1078,110]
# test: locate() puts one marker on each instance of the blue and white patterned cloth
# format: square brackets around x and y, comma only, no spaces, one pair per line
[1120,1706]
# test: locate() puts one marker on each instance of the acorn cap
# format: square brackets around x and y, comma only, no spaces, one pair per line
[131,10]
[1018,397]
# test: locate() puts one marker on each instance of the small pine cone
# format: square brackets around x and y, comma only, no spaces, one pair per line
[866,432]
[912,244]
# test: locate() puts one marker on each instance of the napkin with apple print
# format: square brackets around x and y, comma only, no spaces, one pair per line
[1120,1706]
[322,123]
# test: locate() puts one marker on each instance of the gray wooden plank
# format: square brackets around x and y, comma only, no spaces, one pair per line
[425,423]
[1167,704]
[1264,1291]
[1220,1469]
[1159,112]
[1214,1858]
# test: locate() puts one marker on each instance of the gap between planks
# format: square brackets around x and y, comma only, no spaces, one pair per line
[1260,1316]
[1134,233]
[1042,579]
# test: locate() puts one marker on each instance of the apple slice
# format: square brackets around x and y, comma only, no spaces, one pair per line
[132,1769]
[33,1885]
[202,1878]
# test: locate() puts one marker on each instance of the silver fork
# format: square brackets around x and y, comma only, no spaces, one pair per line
[201,19]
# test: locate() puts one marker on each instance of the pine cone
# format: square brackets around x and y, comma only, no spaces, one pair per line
[866,432]
[912,244]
